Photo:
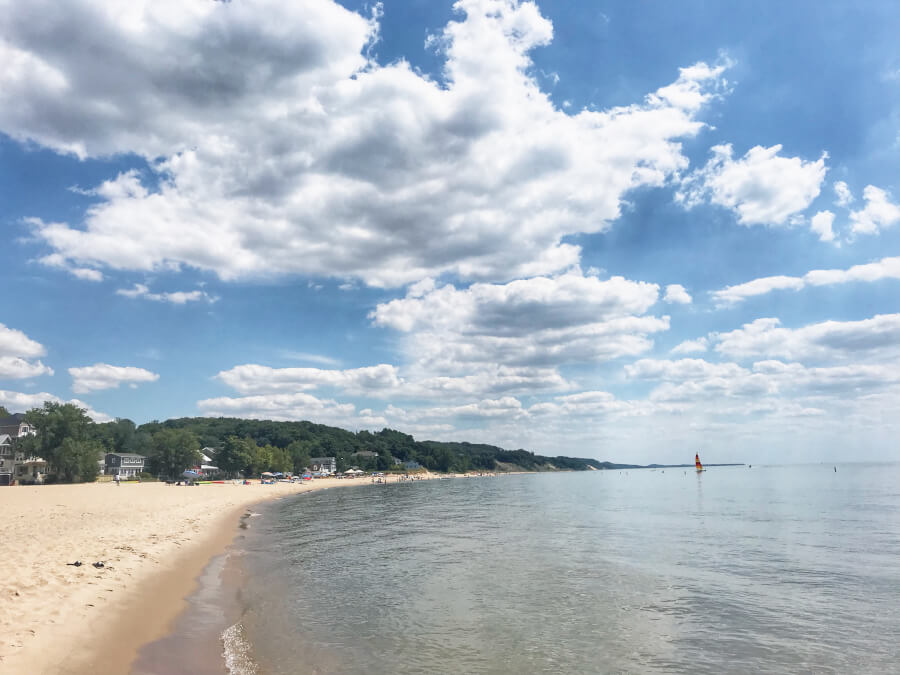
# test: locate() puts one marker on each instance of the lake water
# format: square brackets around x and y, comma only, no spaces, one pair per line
[773,569]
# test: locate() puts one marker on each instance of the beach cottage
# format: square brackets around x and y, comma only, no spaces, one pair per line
[30,469]
[15,465]
[124,464]
[323,465]
[206,468]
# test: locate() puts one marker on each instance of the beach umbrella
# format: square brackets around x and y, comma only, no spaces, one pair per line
[266,473]
[277,473]
[190,474]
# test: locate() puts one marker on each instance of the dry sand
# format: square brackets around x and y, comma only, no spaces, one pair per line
[154,541]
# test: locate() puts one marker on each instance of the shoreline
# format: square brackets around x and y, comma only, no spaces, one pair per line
[154,540]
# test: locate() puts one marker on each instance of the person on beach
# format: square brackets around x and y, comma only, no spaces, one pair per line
[116,478]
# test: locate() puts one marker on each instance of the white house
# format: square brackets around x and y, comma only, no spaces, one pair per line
[326,465]
[207,468]
[15,465]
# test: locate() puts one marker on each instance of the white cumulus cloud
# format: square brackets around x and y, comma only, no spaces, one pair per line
[886,268]
[691,346]
[17,368]
[821,224]
[15,343]
[276,147]
[879,212]
[842,192]
[174,297]
[104,376]
[16,401]
[254,379]
[762,187]
[874,338]
[17,354]
[538,322]
[294,406]
[676,293]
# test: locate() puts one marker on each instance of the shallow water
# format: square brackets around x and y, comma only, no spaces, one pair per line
[777,569]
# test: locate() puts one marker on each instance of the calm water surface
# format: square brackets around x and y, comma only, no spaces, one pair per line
[774,569]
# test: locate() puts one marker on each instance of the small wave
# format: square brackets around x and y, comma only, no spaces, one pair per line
[237,651]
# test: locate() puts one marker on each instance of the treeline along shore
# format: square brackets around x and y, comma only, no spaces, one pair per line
[382,450]
[69,447]
[72,447]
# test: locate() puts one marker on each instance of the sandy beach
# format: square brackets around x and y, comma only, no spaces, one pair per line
[153,540]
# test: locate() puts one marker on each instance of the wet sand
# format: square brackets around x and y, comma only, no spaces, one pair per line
[154,540]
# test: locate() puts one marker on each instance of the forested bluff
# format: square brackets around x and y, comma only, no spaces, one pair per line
[303,440]
[72,444]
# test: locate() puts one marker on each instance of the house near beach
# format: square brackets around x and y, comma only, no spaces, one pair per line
[323,465]
[30,468]
[6,459]
[364,453]
[123,464]
[16,427]
[15,465]
[206,467]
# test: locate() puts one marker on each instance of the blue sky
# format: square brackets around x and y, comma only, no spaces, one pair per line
[598,229]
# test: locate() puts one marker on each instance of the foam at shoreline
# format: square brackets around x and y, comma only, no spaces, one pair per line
[236,651]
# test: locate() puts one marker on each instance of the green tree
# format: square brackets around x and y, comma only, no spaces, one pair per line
[174,450]
[142,443]
[64,440]
[341,462]
[280,460]
[54,423]
[234,456]
[77,460]
[384,461]
[299,452]
[260,459]
[3,411]
[123,433]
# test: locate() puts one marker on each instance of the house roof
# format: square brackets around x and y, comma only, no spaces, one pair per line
[125,454]
[12,420]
